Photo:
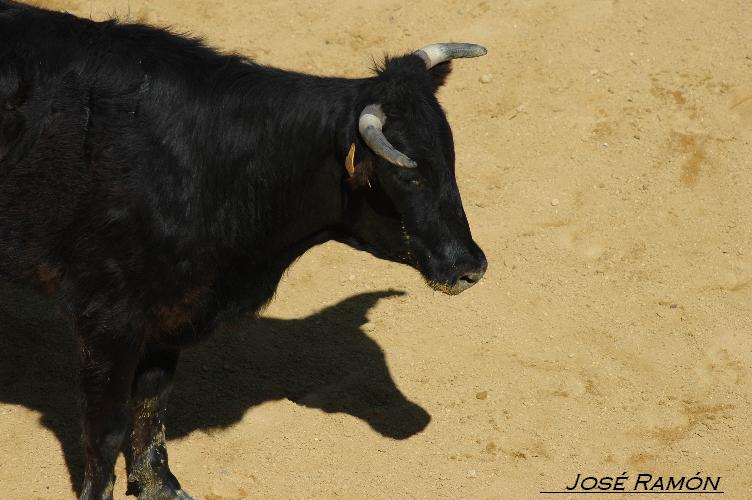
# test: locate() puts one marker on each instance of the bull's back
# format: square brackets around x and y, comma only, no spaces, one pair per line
[88,167]
[98,142]
[44,118]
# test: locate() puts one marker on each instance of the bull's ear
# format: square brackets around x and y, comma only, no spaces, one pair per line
[440,73]
[359,165]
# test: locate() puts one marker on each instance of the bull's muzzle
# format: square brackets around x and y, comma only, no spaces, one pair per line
[464,277]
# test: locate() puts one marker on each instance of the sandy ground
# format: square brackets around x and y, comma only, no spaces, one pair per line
[605,170]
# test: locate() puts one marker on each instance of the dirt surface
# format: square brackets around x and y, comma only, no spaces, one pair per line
[604,158]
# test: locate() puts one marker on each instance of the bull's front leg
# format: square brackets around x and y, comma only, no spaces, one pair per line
[109,349]
[149,475]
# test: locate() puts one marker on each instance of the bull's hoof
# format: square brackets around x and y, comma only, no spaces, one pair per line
[165,493]
[182,495]
[158,489]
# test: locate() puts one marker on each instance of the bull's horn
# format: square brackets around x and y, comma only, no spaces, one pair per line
[442,52]
[371,122]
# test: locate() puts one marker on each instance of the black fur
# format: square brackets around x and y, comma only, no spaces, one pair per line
[156,188]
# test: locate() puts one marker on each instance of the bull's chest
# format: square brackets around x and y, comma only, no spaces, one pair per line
[194,313]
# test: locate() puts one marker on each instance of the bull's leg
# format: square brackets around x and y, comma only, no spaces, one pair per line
[149,475]
[109,354]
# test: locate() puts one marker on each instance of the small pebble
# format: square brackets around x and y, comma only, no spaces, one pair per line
[487,78]
[482,395]
[555,202]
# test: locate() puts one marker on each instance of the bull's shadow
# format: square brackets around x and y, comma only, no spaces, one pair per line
[323,361]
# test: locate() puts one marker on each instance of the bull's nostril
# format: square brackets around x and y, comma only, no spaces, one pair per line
[471,278]
[467,280]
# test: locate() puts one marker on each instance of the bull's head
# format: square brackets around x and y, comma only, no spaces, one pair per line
[404,204]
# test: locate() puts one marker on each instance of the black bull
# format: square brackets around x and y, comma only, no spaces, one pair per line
[155,189]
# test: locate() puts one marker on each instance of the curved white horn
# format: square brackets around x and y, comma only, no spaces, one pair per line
[370,125]
[442,52]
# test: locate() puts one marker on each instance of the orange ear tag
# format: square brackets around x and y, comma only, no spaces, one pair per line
[350,161]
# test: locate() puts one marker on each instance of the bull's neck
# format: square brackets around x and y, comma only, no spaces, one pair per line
[297,127]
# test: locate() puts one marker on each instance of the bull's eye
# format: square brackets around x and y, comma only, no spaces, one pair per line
[412,179]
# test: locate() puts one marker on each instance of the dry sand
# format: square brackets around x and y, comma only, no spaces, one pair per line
[605,169]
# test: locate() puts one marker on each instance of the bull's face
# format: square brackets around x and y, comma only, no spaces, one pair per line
[406,206]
